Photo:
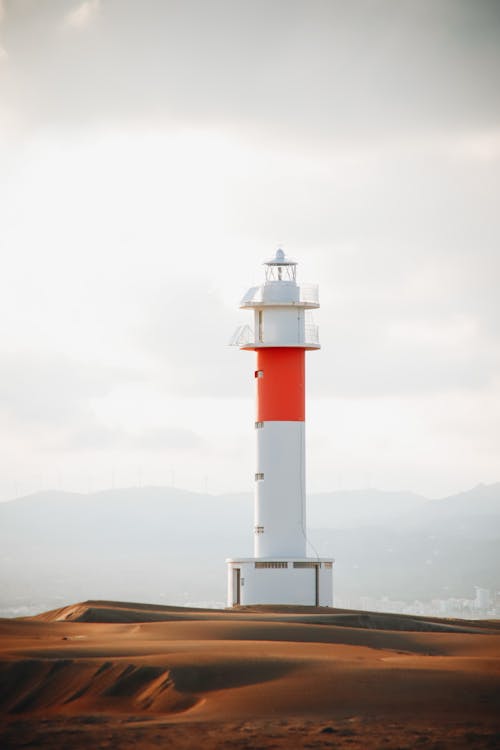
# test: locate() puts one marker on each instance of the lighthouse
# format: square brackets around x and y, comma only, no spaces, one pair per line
[285,568]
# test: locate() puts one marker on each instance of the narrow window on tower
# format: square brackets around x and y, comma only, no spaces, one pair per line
[261,327]
[259,373]
[259,425]
[259,475]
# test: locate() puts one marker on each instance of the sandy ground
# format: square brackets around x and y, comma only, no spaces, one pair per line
[114,675]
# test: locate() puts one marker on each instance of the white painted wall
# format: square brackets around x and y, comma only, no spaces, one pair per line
[280,500]
[282,292]
[281,326]
[281,585]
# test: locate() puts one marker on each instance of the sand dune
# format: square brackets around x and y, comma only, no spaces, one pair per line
[268,676]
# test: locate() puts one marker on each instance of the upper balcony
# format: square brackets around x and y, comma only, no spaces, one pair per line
[244,337]
[281,294]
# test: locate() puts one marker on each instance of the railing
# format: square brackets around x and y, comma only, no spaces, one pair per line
[277,293]
[311,333]
[245,336]
[309,294]
[252,297]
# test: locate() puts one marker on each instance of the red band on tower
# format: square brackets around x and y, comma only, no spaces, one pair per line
[280,384]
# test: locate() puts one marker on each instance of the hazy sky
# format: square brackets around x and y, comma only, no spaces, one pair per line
[153,153]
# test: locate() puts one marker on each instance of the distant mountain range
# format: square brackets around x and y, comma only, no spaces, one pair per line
[165,545]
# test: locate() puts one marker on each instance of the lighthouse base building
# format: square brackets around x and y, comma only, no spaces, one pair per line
[280,571]
[305,581]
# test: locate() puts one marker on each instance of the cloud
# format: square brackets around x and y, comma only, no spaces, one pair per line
[385,358]
[174,439]
[3,52]
[166,149]
[49,389]
[95,436]
[186,333]
[292,69]
[82,16]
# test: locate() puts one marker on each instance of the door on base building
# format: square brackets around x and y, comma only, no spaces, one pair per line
[316,584]
[236,586]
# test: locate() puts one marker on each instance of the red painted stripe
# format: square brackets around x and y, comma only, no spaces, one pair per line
[281,387]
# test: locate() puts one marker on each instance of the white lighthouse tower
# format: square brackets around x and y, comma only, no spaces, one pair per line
[280,571]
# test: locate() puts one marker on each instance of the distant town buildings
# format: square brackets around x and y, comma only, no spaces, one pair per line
[486,604]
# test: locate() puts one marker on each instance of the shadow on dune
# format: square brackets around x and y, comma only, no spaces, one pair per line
[70,685]
[237,673]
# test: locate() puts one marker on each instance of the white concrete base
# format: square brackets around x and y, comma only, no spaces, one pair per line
[297,580]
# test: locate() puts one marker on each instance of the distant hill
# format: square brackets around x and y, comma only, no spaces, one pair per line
[168,546]
[471,513]
[428,549]
[348,508]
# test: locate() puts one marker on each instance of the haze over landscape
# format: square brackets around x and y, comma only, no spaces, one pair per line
[393,551]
